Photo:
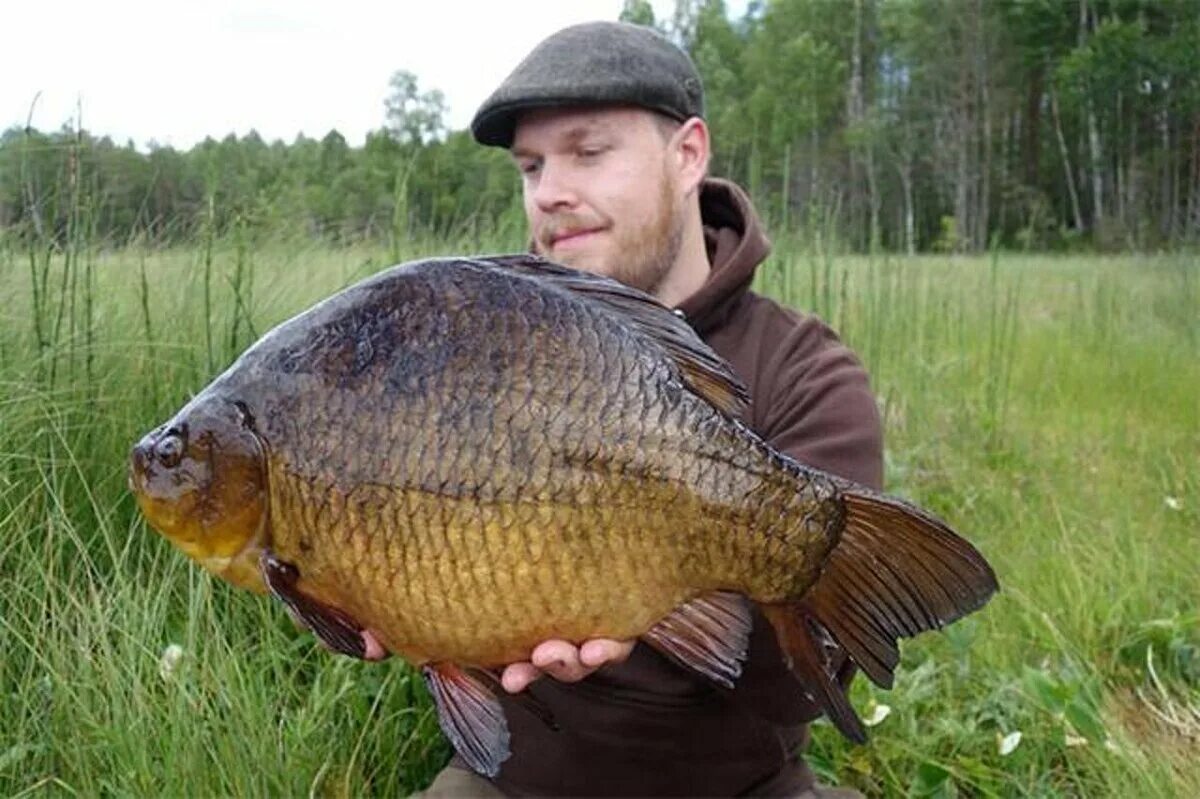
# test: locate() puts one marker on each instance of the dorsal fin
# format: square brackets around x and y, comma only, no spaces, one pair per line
[703,370]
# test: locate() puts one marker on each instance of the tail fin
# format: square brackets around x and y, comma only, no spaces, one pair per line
[897,571]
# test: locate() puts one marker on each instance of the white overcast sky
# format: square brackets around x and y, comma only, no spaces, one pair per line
[175,72]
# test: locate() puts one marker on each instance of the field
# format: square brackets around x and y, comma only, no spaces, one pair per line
[1048,406]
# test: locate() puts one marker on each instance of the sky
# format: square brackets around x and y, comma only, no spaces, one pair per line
[174,72]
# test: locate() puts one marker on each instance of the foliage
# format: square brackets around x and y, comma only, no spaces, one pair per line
[1032,123]
[322,189]
[414,116]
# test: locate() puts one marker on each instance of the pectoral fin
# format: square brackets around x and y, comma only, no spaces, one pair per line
[336,630]
[710,634]
[470,716]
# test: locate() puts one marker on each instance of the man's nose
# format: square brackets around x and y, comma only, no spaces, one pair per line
[555,189]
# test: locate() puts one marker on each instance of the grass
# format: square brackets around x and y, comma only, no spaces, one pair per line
[1047,406]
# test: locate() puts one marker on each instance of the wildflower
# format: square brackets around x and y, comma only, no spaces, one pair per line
[1075,740]
[1174,503]
[878,714]
[1009,742]
[169,660]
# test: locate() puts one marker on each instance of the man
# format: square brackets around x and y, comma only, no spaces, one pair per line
[605,122]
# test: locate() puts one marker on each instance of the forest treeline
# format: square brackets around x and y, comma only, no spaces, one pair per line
[899,124]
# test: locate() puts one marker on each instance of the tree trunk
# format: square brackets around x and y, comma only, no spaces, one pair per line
[1168,211]
[1097,165]
[873,199]
[1093,135]
[1066,158]
[854,113]
[962,189]
[1173,213]
[982,220]
[1132,180]
[1193,220]
[1009,156]
[905,170]
[1031,142]
[785,198]
[814,168]
[1119,182]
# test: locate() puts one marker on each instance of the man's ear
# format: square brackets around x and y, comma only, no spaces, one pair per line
[690,149]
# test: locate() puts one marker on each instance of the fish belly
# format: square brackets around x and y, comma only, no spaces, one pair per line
[454,578]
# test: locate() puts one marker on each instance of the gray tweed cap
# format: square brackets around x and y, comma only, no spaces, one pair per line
[595,63]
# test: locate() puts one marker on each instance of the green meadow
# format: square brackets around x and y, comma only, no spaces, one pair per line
[1049,407]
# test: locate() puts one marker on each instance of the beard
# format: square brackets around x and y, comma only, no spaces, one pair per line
[640,255]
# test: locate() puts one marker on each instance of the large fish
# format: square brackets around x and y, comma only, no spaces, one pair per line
[467,457]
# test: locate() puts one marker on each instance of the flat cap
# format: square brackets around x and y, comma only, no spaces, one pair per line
[594,63]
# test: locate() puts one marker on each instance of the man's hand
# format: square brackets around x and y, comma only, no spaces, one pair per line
[564,661]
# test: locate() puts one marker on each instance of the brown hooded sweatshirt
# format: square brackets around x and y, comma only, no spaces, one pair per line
[649,727]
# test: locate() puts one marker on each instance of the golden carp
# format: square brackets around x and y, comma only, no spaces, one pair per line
[468,457]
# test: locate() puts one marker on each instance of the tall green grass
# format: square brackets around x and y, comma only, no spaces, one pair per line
[1047,406]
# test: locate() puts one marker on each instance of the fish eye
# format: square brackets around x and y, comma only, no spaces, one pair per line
[244,416]
[169,449]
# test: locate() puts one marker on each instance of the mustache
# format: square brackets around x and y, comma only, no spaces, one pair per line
[556,226]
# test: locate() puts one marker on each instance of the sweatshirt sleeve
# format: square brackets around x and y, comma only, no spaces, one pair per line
[818,406]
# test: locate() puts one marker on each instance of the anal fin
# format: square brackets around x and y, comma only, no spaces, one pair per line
[470,715]
[804,655]
[709,634]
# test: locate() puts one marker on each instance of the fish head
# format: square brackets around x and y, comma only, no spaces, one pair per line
[200,480]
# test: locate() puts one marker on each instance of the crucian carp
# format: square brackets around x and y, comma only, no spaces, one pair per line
[469,456]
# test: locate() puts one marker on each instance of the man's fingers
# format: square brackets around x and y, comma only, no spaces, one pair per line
[372,646]
[601,651]
[517,676]
[560,660]
[564,662]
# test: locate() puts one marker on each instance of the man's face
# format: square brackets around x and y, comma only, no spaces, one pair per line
[601,193]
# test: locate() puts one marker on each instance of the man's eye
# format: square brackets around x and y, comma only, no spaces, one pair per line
[590,152]
[528,167]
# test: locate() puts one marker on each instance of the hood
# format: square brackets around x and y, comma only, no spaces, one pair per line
[736,246]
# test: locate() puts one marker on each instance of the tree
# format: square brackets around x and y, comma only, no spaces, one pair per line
[639,12]
[414,116]
[906,124]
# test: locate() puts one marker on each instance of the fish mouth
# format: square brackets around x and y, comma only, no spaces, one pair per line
[139,464]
